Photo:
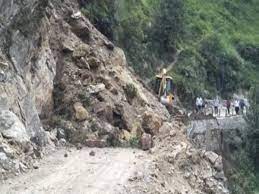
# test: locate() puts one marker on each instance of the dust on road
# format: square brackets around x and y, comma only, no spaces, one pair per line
[105,173]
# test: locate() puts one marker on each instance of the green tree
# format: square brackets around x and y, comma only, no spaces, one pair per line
[253,120]
[102,14]
[243,175]
[168,27]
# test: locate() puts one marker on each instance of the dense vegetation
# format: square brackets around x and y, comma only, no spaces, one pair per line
[253,133]
[241,151]
[218,40]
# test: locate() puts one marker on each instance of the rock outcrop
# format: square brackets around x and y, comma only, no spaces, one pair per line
[209,134]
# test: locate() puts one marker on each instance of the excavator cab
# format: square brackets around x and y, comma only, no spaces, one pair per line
[164,88]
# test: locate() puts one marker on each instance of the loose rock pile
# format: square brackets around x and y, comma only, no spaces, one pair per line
[179,168]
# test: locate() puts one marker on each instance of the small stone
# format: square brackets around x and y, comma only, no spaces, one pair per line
[219,176]
[62,142]
[131,179]
[151,151]
[61,133]
[66,155]
[3,156]
[76,15]
[22,167]
[163,184]
[84,63]
[53,134]
[92,153]
[79,146]
[37,152]
[187,175]
[95,89]
[67,47]
[126,135]
[109,45]
[36,165]
[94,62]
[172,133]
[114,91]
[3,65]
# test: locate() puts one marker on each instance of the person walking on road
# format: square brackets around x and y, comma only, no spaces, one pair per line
[228,105]
[236,105]
[216,106]
[242,105]
[199,103]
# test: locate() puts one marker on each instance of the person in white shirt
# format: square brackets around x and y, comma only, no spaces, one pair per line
[199,103]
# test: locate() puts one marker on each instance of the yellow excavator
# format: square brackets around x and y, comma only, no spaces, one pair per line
[164,88]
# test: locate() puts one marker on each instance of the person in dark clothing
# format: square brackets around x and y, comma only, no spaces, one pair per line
[228,105]
[242,105]
[236,104]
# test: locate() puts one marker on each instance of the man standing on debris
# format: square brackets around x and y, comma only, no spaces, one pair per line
[236,105]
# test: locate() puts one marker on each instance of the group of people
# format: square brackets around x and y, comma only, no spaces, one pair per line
[238,105]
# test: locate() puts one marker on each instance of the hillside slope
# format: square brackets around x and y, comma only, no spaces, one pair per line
[218,40]
[63,81]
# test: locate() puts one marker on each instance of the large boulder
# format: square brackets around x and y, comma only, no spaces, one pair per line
[211,156]
[126,135]
[5,148]
[81,113]
[146,141]
[219,164]
[12,128]
[167,129]
[103,111]
[81,50]
[151,123]
[94,62]
[95,89]
[5,162]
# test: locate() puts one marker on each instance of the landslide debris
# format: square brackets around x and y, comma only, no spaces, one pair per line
[177,167]
[61,82]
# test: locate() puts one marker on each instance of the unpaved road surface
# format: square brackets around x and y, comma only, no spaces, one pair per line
[105,173]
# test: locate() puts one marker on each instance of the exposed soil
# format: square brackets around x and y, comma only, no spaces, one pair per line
[105,172]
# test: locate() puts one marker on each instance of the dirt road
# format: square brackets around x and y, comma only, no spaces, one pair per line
[105,173]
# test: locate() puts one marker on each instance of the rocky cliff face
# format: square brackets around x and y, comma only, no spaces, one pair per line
[25,80]
[213,134]
[58,73]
